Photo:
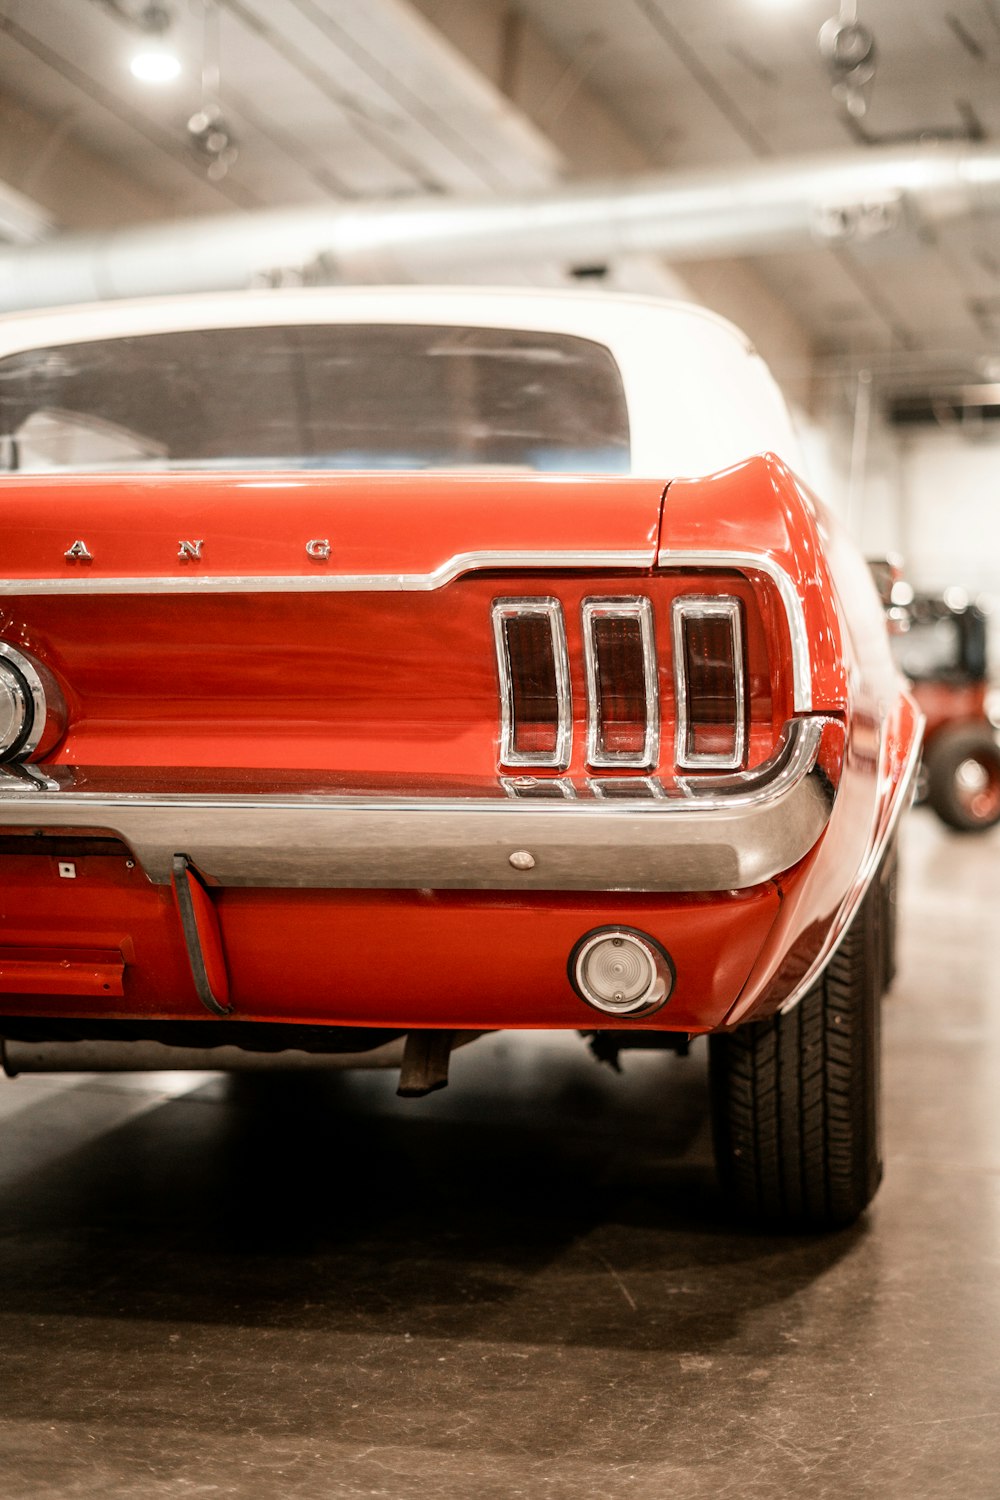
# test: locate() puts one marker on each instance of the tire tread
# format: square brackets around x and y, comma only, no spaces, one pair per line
[795,1096]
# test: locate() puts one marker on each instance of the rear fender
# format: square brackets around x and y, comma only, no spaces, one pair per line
[759,516]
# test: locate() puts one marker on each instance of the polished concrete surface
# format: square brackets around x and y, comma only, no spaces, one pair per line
[524,1286]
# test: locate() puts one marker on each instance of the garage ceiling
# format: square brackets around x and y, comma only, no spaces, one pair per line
[346,100]
[738,80]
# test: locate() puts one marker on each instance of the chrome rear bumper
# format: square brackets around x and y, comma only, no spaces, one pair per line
[614,834]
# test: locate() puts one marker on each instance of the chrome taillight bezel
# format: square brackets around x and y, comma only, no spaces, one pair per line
[41,720]
[632,607]
[701,607]
[559,757]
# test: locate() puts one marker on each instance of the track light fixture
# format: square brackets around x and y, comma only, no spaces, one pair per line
[209,133]
[848,49]
[155,61]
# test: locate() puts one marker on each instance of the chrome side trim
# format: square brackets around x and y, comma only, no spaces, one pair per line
[857,893]
[517,609]
[191,582]
[633,608]
[762,562]
[702,607]
[743,830]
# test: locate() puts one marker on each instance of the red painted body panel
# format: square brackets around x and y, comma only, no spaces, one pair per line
[375,681]
[62,971]
[470,960]
[385,524]
[387,682]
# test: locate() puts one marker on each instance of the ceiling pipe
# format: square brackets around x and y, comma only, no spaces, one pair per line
[751,210]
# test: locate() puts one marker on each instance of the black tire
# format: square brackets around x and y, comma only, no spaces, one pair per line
[963,778]
[795,1098]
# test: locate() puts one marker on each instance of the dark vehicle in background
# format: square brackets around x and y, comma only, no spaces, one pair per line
[943,652]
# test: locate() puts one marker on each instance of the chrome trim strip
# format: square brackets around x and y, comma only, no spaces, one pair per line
[17,776]
[617,788]
[745,832]
[517,609]
[192,582]
[703,607]
[538,787]
[631,608]
[869,868]
[762,562]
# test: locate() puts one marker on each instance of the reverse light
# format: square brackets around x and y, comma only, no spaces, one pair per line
[32,710]
[709,683]
[533,663]
[623,714]
[621,971]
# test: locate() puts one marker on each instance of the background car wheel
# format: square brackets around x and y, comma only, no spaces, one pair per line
[795,1098]
[963,769]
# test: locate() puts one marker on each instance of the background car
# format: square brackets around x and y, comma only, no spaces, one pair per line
[943,653]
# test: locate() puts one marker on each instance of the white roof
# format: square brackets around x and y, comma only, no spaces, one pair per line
[699,397]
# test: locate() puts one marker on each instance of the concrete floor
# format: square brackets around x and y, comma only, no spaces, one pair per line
[522,1287]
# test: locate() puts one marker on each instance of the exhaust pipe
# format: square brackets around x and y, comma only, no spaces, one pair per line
[159,1057]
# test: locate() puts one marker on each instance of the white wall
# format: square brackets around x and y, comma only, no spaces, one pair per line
[950,507]
[930,494]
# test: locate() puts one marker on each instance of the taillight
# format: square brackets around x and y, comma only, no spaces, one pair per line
[536,709]
[623,718]
[719,654]
[709,683]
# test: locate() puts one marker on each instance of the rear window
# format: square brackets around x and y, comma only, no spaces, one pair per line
[325,397]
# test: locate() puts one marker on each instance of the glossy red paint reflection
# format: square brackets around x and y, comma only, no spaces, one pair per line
[387,678]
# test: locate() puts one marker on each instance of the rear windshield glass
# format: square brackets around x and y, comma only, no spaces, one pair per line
[325,397]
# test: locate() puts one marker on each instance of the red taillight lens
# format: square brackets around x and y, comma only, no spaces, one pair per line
[709,682]
[620,685]
[624,713]
[534,700]
[530,640]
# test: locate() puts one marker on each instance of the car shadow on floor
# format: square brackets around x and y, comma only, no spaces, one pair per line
[546,1202]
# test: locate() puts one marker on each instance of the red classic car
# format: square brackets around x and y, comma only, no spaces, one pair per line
[384,667]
